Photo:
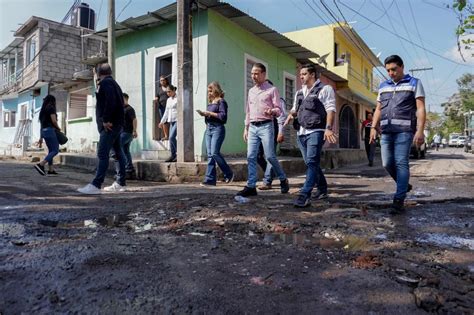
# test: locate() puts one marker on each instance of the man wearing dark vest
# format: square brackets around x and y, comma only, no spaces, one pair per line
[315,108]
[401,114]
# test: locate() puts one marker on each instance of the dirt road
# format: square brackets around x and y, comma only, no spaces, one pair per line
[161,248]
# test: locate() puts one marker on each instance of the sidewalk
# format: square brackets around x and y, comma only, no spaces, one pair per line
[157,170]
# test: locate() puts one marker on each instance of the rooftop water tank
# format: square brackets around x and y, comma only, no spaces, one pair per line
[83,16]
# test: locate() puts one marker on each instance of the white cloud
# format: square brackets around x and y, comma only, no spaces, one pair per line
[453,53]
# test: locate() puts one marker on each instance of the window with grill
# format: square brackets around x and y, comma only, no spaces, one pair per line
[77,105]
[9,119]
[289,92]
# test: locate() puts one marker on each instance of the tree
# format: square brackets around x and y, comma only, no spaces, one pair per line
[465,14]
[466,91]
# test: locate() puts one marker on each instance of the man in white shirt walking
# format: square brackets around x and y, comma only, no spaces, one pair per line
[314,109]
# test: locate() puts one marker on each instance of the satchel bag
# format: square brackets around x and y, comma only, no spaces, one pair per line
[62,139]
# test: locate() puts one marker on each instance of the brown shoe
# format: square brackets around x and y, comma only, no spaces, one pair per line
[265,187]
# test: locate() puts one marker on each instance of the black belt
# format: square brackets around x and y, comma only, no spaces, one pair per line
[259,123]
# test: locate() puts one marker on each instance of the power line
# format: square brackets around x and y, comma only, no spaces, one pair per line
[395,34]
[355,40]
[379,18]
[315,12]
[126,5]
[421,39]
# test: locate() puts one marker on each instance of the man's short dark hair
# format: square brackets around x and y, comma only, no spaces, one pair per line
[104,69]
[125,95]
[394,59]
[311,68]
[261,66]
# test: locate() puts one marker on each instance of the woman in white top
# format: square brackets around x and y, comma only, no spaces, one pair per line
[170,116]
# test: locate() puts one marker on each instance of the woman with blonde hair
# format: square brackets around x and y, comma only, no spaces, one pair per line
[215,117]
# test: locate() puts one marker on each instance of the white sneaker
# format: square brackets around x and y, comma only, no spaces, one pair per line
[89,189]
[115,187]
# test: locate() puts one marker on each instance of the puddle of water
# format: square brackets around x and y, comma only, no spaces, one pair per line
[448,240]
[12,229]
[301,239]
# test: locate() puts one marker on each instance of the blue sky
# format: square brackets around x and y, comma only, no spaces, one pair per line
[434,28]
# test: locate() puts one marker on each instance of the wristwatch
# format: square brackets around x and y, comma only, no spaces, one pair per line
[329,127]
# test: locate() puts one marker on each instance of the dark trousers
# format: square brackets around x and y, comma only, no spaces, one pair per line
[370,150]
[109,140]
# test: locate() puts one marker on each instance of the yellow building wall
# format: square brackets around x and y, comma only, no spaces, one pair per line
[321,40]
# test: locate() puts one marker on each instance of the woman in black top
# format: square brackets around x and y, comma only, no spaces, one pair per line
[49,124]
[216,117]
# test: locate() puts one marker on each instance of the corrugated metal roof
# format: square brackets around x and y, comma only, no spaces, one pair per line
[168,13]
[9,51]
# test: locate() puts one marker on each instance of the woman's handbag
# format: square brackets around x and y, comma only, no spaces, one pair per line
[62,139]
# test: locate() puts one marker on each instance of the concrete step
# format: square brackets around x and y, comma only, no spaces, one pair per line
[158,170]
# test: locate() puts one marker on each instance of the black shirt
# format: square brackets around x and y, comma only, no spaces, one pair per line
[109,106]
[45,117]
[129,117]
[162,97]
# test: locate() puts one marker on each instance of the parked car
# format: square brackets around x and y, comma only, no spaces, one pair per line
[418,152]
[461,141]
[453,139]
[468,144]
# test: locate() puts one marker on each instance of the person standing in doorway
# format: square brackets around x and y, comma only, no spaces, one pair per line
[49,124]
[128,134]
[401,114]
[215,117]
[160,99]
[315,109]
[170,117]
[365,133]
[263,104]
[110,121]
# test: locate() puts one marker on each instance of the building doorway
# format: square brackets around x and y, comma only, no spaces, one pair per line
[163,66]
[348,129]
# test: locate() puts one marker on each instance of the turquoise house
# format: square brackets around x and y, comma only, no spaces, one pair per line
[226,43]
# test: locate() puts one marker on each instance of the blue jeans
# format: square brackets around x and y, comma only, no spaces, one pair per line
[125,140]
[215,134]
[269,174]
[49,136]
[263,134]
[172,137]
[395,154]
[109,140]
[311,146]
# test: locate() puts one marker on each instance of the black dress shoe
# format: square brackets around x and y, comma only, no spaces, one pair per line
[247,191]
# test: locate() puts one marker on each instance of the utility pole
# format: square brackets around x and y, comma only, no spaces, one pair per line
[185,82]
[422,69]
[111,36]
[419,69]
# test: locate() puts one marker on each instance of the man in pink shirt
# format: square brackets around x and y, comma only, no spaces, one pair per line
[263,104]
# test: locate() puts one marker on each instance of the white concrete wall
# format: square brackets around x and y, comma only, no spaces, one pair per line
[83,135]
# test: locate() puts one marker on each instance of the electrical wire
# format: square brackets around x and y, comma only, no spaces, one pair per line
[355,39]
[384,13]
[126,5]
[395,34]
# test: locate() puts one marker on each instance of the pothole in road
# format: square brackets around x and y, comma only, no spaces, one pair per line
[133,223]
[446,240]
[12,229]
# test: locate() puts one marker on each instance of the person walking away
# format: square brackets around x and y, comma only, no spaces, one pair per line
[401,114]
[170,116]
[110,121]
[160,100]
[315,109]
[365,133]
[128,134]
[263,104]
[215,118]
[437,141]
[49,124]
[278,123]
